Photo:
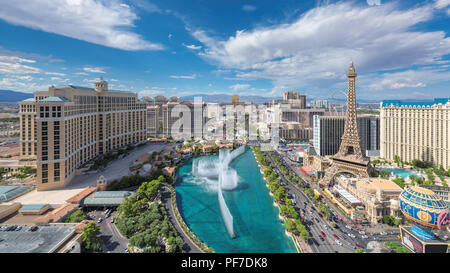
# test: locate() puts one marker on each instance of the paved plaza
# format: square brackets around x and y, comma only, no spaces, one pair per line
[114,170]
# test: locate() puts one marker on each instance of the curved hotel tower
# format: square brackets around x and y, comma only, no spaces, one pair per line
[66,127]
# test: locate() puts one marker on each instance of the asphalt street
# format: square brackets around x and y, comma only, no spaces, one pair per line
[348,238]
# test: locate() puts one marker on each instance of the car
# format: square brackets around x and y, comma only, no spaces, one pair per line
[112,220]
[287,189]
[335,236]
[127,251]
[323,234]
[99,220]
[364,236]
[325,226]
[362,232]
[317,220]
[348,227]
[445,238]
[358,245]
[383,233]
[351,235]
[338,242]
[33,228]
[322,239]
[19,228]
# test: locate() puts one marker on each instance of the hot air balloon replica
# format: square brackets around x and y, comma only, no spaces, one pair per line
[427,212]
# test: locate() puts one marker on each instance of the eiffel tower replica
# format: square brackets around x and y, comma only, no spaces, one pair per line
[350,158]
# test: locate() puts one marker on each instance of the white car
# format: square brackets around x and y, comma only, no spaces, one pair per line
[364,236]
[383,233]
[349,227]
[362,232]
[351,235]
[338,242]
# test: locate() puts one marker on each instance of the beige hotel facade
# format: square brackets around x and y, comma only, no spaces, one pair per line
[64,128]
[416,130]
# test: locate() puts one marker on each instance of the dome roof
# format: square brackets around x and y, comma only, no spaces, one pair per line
[422,206]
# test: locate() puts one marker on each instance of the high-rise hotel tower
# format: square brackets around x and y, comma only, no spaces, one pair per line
[66,127]
[416,130]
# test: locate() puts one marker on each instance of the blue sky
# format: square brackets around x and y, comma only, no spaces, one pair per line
[249,47]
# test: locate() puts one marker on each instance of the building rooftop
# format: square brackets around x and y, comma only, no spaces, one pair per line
[55,99]
[385,184]
[32,207]
[44,240]
[405,103]
[107,198]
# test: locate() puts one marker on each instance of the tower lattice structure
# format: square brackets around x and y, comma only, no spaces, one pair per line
[350,157]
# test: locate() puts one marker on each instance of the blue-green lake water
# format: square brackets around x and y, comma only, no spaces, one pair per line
[255,219]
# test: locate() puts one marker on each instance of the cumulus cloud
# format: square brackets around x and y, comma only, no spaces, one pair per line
[17,65]
[317,47]
[404,79]
[248,8]
[19,85]
[194,47]
[240,87]
[107,23]
[190,77]
[55,74]
[440,4]
[94,69]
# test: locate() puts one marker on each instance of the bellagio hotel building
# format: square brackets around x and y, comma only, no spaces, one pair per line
[416,130]
[64,128]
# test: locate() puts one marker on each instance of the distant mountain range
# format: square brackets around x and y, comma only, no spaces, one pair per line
[14,96]
[217,98]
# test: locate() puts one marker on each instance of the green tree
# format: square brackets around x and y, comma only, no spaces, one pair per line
[75,217]
[90,240]
[149,190]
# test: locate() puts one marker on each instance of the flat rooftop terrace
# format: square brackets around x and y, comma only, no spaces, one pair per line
[40,241]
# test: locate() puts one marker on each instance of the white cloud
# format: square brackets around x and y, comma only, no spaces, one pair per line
[440,4]
[248,8]
[194,47]
[24,78]
[404,79]
[94,69]
[190,77]
[100,22]
[18,85]
[82,73]
[15,65]
[316,48]
[240,87]
[55,74]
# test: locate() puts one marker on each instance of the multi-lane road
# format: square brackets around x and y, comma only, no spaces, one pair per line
[348,239]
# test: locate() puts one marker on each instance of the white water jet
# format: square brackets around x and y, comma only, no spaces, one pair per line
[227,179]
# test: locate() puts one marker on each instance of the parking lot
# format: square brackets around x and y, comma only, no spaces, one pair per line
[24,239]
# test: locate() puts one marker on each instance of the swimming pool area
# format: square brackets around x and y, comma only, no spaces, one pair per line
[400,172]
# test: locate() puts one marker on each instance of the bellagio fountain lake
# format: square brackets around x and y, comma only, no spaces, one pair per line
[225,202]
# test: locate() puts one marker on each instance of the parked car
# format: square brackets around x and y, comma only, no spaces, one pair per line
[99,220]
[358,245]
[364,236]
[33,228]
[383,233]
[112,220]
[323,234]
[362,232]
[338,242]
[335,236]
